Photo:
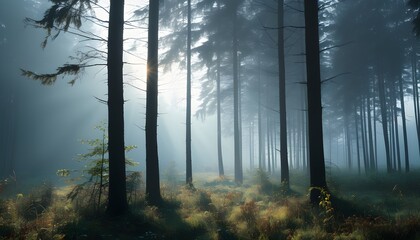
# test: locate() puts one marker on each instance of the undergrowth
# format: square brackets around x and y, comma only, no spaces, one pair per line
[216,209]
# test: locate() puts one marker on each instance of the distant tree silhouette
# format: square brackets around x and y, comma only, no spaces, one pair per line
[415,4]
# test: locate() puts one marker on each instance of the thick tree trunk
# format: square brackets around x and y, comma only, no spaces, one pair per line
[284,165]
[152,160]
[188,113]
[117,197]
[316,146]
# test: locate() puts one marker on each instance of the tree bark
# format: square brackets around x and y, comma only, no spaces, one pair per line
[117,198]
[284,165]
[152,160]
[316,146]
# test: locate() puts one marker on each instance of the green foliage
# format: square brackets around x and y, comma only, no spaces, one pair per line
[61,16]
[327,211]
[49,79]
[90,193]
[212,212]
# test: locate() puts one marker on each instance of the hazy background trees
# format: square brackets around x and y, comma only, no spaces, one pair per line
[369,88]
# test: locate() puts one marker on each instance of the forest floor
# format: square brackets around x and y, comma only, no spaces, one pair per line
[372,207]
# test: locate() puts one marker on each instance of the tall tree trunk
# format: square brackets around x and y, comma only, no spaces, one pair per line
[404,125]
[397,135]
[392,136]
[152,160]
[273,147]
[261,151]
[375,135]
[117,198]
[304,127]
[363,132]
[282,98]
[237,148]
[382,102]
[219,121]
[188,112]
[316,145]
[251,145]
[369,119]
[356,120]
[348,141]
[415,95]
[268,143]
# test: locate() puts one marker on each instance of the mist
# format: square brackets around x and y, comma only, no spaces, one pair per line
[259,105]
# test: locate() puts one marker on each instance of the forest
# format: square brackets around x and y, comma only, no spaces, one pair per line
[210,119]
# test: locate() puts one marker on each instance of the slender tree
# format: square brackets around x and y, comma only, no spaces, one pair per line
[236,125]
[188,112]
[152,160]
[219,118]
[282,95]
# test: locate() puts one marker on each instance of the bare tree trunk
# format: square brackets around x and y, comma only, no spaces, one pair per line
[316,145]
[117,198]
[219,121]
[406,154]
[152,159]
[369,119]
[397,137]
[415,95]
[364,138]
[237,147]
[382,101]
[188,112]
[356,120]
[261,151]
[282,98]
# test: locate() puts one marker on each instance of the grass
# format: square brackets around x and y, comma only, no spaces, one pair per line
[373,207]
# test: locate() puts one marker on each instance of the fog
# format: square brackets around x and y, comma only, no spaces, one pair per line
[41,126]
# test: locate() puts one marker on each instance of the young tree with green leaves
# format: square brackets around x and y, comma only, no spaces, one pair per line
[63,15]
